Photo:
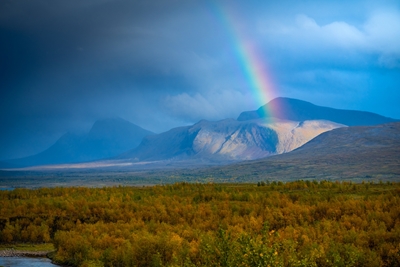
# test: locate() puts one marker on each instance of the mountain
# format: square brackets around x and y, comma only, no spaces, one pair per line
[252,136]
[228,140]
[344,153]
[370,153]
[298,110]
[7,165]
[107,138]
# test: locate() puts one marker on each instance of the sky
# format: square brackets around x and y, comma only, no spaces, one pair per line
[167,63]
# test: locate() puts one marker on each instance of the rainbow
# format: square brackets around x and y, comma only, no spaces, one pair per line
[249,59]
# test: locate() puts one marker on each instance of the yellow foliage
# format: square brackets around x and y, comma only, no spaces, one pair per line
[292,224]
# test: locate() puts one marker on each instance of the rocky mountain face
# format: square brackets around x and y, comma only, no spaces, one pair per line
[350,141]
[360,152]
[107,138]
[298,110]
[228,140]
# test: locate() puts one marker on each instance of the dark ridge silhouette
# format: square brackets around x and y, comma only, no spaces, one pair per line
[298,110]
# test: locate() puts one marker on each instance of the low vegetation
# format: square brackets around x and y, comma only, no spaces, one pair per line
[301,223]
[33,247]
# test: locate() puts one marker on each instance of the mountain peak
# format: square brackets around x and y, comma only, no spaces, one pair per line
[299,110]
[228,140]
[113,126]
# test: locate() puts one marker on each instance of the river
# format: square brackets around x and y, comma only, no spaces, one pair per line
[25,262]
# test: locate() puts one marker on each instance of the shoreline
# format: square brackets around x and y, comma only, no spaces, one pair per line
[23,253]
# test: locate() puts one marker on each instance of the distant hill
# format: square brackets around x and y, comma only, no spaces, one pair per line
[107,138]
[344,153]
[228,140]
[298,110]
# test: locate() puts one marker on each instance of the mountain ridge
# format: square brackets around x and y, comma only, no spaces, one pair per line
[107,138]
[358,152]
[252,136]
[299,110]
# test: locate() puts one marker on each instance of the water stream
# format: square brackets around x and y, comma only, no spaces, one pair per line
[25,262]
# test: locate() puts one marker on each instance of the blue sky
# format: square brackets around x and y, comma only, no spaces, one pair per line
[166,63]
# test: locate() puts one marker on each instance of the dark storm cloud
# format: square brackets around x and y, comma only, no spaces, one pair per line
[164,63]
[67,63]
[64,34]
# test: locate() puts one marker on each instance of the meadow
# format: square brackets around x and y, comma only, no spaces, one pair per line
[299,223]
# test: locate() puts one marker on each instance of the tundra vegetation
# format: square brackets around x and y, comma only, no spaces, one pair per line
[301,223]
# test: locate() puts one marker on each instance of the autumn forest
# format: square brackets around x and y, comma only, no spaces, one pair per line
[301,223]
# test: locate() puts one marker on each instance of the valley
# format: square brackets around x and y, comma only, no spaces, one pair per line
[252,192]
[355,154]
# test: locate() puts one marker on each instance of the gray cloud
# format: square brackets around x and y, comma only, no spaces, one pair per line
[213,105]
